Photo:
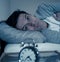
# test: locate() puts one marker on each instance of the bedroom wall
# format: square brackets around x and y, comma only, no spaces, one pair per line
[27,5]
[8,6]
[4,9]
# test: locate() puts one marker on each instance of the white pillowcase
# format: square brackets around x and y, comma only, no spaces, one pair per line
[12,35]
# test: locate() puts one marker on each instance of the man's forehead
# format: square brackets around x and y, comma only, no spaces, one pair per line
[22,15]
[22,20]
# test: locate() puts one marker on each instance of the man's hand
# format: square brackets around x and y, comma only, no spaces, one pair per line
[57,16]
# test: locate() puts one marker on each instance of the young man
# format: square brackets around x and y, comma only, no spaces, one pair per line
[25,21]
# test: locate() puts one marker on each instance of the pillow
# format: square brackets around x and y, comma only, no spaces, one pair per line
[12,35]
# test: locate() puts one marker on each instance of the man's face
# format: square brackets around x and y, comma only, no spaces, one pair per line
[29,22]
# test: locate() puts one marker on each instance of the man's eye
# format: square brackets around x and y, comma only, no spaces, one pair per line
[27,18]
[24,28]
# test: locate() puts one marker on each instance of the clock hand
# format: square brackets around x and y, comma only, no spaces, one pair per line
[28,58]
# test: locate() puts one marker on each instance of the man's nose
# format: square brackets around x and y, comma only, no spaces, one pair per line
[34,21]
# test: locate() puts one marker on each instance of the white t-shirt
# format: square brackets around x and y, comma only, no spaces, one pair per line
[53,24]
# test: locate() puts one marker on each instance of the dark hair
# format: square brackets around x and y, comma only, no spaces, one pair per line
[12,19]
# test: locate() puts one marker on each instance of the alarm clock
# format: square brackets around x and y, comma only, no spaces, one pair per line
[28,54]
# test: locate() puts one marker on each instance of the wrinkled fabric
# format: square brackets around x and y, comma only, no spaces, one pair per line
[52,36]
[12,35]
[45,10]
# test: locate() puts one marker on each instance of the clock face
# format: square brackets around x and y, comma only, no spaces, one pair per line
[27,54]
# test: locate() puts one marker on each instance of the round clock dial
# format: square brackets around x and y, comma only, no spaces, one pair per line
[28,54]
